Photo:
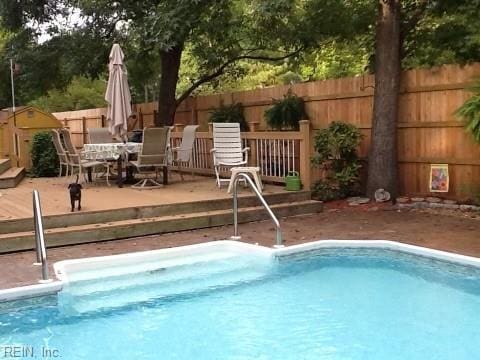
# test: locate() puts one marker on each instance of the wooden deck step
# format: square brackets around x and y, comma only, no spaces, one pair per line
[5,164]
[80,234]
[148,211]
[11,177]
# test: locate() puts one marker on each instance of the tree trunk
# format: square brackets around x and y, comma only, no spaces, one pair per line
[382,160]
[167,104]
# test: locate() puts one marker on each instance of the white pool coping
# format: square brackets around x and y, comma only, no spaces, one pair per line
[178,255]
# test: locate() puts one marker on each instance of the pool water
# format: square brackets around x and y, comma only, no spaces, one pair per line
[326,304]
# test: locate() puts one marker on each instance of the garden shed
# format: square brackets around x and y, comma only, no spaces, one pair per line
[17,129]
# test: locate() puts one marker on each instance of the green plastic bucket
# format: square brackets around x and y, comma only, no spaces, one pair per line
[292,181]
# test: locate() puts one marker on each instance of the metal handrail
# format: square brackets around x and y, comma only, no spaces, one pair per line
[278,237]
[40,248]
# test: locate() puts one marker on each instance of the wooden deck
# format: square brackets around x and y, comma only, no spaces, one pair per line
[17,202]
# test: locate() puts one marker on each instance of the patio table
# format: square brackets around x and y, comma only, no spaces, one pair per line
[113,151]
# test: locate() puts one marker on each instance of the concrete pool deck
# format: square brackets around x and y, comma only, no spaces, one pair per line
[454,232]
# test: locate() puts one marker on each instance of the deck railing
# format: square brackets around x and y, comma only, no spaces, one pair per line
[275,153]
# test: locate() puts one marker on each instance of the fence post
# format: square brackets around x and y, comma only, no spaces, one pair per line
[305,166]
[84,130]
[140,119]
[102,119]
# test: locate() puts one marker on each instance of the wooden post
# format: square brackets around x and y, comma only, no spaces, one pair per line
[305,165]
[155,116]
[84,130]
[253,126]
[140,119]
[210,144]
[179,127]
[102,119]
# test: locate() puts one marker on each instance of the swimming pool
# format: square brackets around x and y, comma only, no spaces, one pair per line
[315,302]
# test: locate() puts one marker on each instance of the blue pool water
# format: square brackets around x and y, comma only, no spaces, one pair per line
[328,304]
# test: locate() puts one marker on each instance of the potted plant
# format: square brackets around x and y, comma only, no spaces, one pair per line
[232,113]
[286,113]
[470,112]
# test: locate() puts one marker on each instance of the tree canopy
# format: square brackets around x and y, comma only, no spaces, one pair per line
[221,45]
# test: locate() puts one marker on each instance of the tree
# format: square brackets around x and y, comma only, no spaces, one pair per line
[218,33]
[412,32]
[382,161]
[80,93]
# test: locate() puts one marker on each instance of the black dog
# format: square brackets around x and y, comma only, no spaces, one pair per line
[75,194]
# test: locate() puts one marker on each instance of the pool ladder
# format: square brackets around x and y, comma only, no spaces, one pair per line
[248,180]
[40,248]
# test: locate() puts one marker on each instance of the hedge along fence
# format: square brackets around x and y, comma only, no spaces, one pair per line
[428,131]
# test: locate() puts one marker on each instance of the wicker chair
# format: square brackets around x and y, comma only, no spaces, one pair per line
[61,153]
[78,160]
[100,136]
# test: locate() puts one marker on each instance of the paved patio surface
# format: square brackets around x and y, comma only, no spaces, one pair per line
[454,231]
[17,202]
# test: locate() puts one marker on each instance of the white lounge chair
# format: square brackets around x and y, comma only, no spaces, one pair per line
[227,148]
[182,155]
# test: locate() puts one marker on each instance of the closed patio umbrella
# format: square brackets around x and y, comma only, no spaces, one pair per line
[117,94]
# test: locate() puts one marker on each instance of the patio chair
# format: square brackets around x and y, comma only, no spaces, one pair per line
[182,155]
[154,155]
[227,148]
[61,152]
[77,160]
[100,136]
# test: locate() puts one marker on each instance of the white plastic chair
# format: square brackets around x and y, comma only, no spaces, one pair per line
[227,148]
[182,155]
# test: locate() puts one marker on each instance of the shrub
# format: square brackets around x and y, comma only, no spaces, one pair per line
[470,112]
[229,114]
[286,113]
[44,156]
[336,154]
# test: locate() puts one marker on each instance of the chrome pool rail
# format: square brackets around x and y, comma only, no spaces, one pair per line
[40,248]
[246,177]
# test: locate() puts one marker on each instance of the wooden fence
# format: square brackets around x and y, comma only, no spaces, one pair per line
[428,131]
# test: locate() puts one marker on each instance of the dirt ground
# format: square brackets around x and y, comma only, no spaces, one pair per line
[452,231]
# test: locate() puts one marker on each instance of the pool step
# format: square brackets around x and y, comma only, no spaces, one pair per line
[165,284]
[154,225]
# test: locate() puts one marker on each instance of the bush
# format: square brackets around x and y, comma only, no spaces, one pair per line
[336,153]
[44,156]
[229,114]
[285,114]
[470,112]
